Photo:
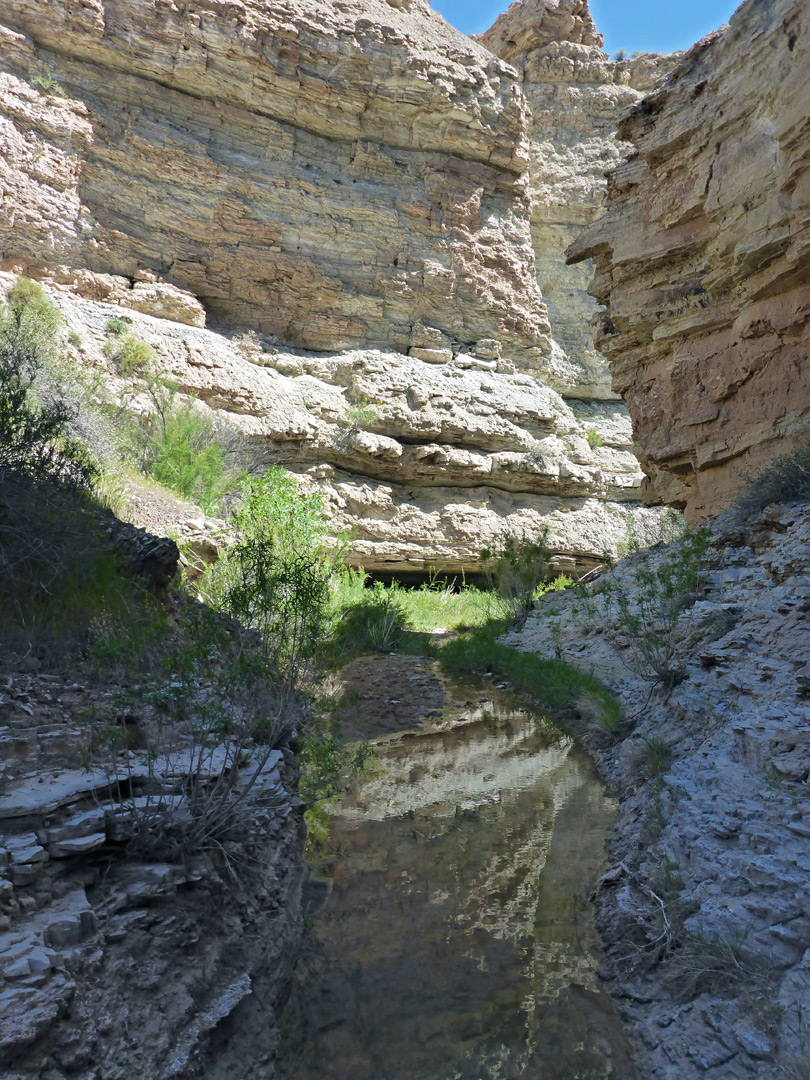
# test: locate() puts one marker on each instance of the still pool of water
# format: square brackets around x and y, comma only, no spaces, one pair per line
[455,942]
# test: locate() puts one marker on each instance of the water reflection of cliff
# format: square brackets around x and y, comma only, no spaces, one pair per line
[448,949]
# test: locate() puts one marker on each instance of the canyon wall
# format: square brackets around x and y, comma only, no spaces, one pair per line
[703,259]
[576,97]
[342,175]
[367,189]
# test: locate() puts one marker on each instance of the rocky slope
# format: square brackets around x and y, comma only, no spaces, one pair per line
[427,462]
[703,259]
[119,960]
[706,912]
[354,179]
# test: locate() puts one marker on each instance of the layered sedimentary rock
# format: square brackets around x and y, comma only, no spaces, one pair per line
[576,96]
[703,259]
[352,178]
[426,462]
[342,175]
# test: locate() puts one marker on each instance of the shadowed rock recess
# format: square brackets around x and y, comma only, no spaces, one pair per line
[365,188]
[703,259]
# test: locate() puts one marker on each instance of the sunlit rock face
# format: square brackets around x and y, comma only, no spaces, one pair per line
[576,97]
[340,174]
[703,260]
[366,188]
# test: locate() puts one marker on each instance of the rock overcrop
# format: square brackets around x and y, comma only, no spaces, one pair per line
[118,961]
[706,914]
[363,182]
[703,261]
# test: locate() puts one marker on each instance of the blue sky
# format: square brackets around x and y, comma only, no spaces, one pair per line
[633,25]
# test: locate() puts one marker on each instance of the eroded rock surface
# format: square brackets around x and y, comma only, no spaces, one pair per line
[428,462]
[706,913]
[342,175]
[703,259]
[576,97]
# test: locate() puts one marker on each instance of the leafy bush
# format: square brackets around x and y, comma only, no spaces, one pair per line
[785,479]
[594,438]
[47,84]
[129,354]
[515,569]
[116,326]
[185,448]
[35,438]
[276,578]
[361,414]
[662,586]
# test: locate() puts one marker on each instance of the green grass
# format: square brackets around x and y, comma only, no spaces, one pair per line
[477,618]
[553,684]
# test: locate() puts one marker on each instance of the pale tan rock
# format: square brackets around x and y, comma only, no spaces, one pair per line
[430,463]
[337,174]
[576,96]
[703,259]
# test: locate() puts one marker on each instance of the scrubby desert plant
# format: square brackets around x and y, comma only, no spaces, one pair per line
[651,596]
[47,84]
[116,326]
[129,354]
[713,964]
[185,447]
[785,479]
[361,414]
[594,438]
[275,579]
[515,567]
[35,439]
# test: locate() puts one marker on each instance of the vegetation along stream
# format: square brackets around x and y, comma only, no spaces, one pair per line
[455,941]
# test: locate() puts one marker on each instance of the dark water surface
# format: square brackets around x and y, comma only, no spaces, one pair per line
[456,942]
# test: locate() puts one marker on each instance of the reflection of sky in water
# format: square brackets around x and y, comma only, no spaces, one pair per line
[454,944]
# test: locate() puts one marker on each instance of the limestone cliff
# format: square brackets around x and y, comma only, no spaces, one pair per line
[576,97]
[351,178]
[342,175]
[703,259]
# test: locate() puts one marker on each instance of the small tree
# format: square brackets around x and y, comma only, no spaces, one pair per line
[515,568]
[662,585]
[34,434]
[276,578]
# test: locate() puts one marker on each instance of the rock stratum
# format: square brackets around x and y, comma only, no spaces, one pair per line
[368,190]
[703,259]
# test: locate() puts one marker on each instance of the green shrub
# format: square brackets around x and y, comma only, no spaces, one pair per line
[116,326]
[785,479]
[276,578]
[129,354]
[361,414]
[515,569]
[662,585]
[657,756]
[594,438]
[47,84]
[185,448]
[704,964]
[35,439]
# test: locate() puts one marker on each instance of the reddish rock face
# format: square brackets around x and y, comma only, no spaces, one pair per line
[703,259]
